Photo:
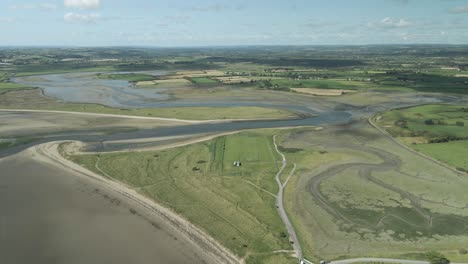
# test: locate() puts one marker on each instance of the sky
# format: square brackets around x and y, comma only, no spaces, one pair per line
[171,23]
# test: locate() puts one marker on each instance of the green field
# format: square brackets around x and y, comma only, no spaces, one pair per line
[131,77]
[203,81]
[411,122]
[8,86]
[235,205]
[454,153]
[436,130]
[322,84]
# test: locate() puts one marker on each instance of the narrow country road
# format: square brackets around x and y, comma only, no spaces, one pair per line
[381,260]
[279,204]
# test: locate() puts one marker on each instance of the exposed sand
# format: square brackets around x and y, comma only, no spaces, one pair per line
[49,153]
[106,115]
[14,123]
[322,92]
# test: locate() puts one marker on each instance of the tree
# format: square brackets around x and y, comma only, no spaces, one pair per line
[429,122]
[436,258]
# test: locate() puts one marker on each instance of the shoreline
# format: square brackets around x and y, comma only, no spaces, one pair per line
[49,153]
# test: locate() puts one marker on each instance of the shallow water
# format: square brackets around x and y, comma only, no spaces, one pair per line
[51,216]
[87,88]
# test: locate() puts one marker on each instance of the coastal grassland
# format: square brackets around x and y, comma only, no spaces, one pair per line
[31,99]
[436,130]
[355,193]
[131,77]
[235,205]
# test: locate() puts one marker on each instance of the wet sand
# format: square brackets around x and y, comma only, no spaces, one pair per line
[51,216]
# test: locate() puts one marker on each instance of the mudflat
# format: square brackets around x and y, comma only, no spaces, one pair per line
[51,216]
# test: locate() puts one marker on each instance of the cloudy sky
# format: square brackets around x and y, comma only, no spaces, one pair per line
[233,22]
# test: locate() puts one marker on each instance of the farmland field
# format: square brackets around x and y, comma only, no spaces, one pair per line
[449,152]
[436,130]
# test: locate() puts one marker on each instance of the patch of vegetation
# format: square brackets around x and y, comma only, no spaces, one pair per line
[131,77]
[436,258]
[9,86]
[203,81]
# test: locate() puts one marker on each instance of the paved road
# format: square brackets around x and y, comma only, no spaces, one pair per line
[279,203]
[381,260]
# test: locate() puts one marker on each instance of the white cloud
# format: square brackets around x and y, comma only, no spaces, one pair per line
[389,23]
[81,18]
[82,4]
[459,9]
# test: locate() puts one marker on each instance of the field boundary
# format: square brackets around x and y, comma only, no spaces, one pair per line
[385,133]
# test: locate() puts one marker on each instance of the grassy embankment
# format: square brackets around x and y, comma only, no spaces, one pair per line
[235,205]
[439,131]
[6,85]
